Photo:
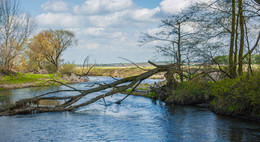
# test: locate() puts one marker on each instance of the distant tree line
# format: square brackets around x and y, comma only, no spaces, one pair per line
[224,59]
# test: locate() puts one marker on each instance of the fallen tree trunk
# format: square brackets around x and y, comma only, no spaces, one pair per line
[25,106]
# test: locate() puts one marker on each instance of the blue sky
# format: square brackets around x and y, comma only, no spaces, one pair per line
[105,29]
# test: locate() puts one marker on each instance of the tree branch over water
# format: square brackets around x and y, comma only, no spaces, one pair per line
[28,106]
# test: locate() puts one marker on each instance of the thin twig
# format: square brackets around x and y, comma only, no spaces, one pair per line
[118,102]
[133,63]
[114,78]
[65,85]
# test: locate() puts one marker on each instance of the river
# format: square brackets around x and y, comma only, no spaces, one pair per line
[135,119]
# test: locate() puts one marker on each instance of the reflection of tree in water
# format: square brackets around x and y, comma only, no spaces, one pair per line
[236,130]
[236,135]
[5,100]
[244,134]
[7,97]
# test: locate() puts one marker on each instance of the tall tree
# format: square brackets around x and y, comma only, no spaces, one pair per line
[35,60]
[242,36]
[232,35]
[231,18]
[15,28]
[50,44]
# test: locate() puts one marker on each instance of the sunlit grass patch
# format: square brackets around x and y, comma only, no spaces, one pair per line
[24,78]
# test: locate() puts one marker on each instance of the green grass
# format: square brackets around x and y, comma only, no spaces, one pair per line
[24,78]
[129,90]
[143,89]
[151,95]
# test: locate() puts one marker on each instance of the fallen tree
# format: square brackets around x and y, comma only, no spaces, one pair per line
[28,106]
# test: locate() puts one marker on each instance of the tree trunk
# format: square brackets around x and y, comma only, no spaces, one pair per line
[179,53]
[57,67]
[249,55]
[231,48]
[235,52]
[242,36]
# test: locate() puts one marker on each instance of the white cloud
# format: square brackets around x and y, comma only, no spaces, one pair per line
[144,14]
[64,20]
[154,31]
[91,46]
[98,33]
[92,31]
[190,27]
[110,20]
[173,6]
[55,6]
[100,14]
[126,18]
[102,6]
[117,35]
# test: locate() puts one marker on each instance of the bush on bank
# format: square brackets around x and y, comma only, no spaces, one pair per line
[68,68]
[191,92]
[238,97]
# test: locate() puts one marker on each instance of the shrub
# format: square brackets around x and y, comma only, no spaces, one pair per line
[151,95]
[50,68]
[191,92]
[240,96]
[68,68]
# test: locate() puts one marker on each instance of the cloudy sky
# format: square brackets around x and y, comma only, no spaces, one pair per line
[105,29]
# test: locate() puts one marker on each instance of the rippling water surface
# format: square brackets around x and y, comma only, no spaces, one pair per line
[135,119]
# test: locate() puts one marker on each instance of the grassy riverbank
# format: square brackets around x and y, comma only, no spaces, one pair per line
[18,80]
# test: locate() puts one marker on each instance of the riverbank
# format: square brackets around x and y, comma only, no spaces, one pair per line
[120,72]
[238,97]
[18,80]
[36,80]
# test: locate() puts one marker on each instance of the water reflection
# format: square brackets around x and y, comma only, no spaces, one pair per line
[235,129]
[8,97]
[136,119]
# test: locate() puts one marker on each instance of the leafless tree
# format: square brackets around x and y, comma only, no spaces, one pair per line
[175,37]
[15,28]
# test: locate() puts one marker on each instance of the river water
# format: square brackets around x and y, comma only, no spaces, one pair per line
[135,119]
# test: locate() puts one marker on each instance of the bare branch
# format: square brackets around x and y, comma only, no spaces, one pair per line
[23,106]
[133,63]
[119,102]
